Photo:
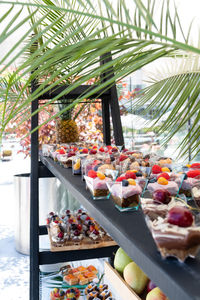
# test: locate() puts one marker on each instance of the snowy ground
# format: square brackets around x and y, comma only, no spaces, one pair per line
[14,267]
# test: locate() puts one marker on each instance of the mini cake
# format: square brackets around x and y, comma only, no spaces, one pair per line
[192,178]
[97,183]
[176,235]
[163,183]
[57,294]
[66,160]
[159,205]
[125,192]
[93,291]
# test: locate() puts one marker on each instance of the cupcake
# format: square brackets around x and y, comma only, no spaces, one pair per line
[125,192]
[176,234]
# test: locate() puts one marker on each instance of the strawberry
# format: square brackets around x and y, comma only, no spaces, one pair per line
[165,175]
[121,178]
[92,174]
[123,157]
[193,173]
[130,174]
[156,169]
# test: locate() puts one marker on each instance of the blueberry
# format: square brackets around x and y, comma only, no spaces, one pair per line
[138,174]
[96,168]
[62,293]
[152,180]
[125,183]
[185,168]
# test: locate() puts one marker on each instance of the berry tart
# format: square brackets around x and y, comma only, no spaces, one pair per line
[125,192]
[73,294]
[57,294]
[96,182]
[176,234]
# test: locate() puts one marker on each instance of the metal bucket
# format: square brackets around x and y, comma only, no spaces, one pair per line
[52,197]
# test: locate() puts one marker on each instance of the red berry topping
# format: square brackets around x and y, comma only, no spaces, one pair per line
[193,173]
[130,174]
[48,221]
[80,211]
[70,221]
[61,234]
[109,147]
[125,150]
[121,178]
[51,213]
[56,221]
[93,151]
[75,148]
[161,196]
[180,216]
[156,169]
[88,218]
[165,175]
[85,150]
[195,166]
[122,157]
[101,149]
[92,174]
[67,211]
[62,151]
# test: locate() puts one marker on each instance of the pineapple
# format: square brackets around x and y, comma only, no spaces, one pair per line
[66,128]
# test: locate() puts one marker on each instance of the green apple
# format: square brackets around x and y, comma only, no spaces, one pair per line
[135,277]
[121,260]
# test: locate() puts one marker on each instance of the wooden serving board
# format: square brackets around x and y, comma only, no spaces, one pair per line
[124,290]
[105,242]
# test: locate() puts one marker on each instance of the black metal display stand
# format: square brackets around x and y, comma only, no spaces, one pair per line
[179,281]
[110,103]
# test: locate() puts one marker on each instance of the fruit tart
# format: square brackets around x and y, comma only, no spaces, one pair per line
[57,294]
[96,182]
[73,294]
[176,234]
[125,192]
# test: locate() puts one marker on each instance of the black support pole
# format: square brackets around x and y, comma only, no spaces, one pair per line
[34,198]
[114,103]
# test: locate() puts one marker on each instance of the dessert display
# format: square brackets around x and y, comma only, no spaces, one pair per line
[80,275]
[176,234]
[96,292]
[125,192]
[96,182]
[76,230]
[163,182]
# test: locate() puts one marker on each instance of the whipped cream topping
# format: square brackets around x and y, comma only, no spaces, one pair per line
[125,191]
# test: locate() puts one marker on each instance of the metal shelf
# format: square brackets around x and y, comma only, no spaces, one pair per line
[128,229]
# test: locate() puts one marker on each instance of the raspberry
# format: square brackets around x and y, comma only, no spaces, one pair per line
[162,181]
[62,151]
[60,235]
[101,149]
[92,174]
[165,175]
[130,174]
[121,178]
[193,173]
[85,150]
[93,151]
[156,169]
[122,157]
[195,166]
